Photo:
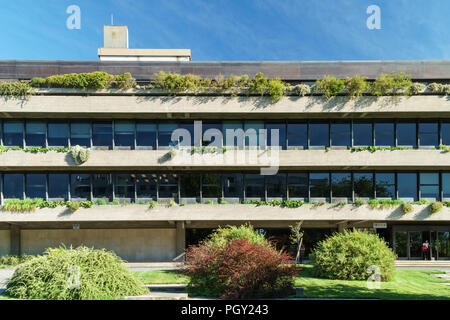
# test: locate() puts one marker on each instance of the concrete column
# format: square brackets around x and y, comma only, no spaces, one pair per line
[341,227]
[180,238]
[15,240]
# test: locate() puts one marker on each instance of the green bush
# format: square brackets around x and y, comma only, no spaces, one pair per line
[391,84]
[12,260]
[259,84]
[436,207]
[356,86]
[93,80]
[330,86]
[16,89]
[407,208]
[277,89]
[124,81]
[348,255]
[223,235]
[80,154]
[102,275]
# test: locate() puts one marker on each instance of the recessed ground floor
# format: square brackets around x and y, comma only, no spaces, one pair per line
[166,240]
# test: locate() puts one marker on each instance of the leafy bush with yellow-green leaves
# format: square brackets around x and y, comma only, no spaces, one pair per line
[16,89]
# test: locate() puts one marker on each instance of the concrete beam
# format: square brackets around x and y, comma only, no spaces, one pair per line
[180,238]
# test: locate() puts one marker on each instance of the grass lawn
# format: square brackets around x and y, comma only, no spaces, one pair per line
[407,284]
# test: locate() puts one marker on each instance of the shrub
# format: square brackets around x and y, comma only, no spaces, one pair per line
[93,80]
[439,88]
[101,202]
[391,84]
[124,81]
[16,89]
[73,206]
[259,84]
[18,205]
[239,270]
[330,86]
[436,207]
[358,202]
[277,89]
[80,154]
[174,82]
[417,88]
[347,255]
[102,276]
[223,235]
[302,89]
[12,260]
[407,208]
[356,86]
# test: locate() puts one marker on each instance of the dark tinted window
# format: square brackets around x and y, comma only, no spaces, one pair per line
[298,185]
[406,134]
[168,185]
[212,131]
[146,185]
[319,185]
[281,135]
[446,185]
[407,185]
[319,134]
[276,186]
[231,134]
[36,133]
[102,134]
[13,133]
[341,185]
[233,185]
[58,186]
[254,186]
[80,186]
[190,185]
[146,135]
[80,134]
[124,134]
[35,186]
[211,186]
[362,134]
[428,134]
[102,186]
[385,185]
[188,140]
[363,185]
[384,134]
[252,134]
[445,132]
[429,185]
[165,131]
[58,134]
[13,186]
[124,186]
[297,135]
[340,134]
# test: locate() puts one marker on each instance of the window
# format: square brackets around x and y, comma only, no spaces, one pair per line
[406,134]
[146,184]
[188,141]
[319,185]
[445,132]
[80,186]
[36,186]
[297,136]
[165,131]
[407,186]
[80,134]
[168,185]
[298,186]
[13,133]
[233,185]
[276,186]
[58,134]
[254,186]
[363,185]
[281,143]
[211,186]
[13,186]
[58,186]
[253,139]
[124,186]
[233,134]
[384,134]
[319,134]
[362,134]
[385,185]
[341,185]
[102,186]
[213,131]
[102,135]
[190,185]
[35,134]
[340,134]
[124,134]
[428,135]
[146,136]
[429,185]
[446,185]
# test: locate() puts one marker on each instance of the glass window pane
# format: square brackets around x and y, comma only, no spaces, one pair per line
[165,131]
[341,185]
[429,185]
[212,130]
[297,135]
[124,186]
[102,134]
[102,186]
[80,186]
[429,192]
[58,134]
[146,135]
[254,186]
[13,186]
[168,185]
[35,134]
[190,185]
[385,185]
[428,134]
[252,135]
[281,127]
[298,185]
[124,134]
[276,186]
[146,185]
[80,134]
[445,132]
[429,178]
[446,185]
[384,134]
[211,186]
[407,185]
[340,134]
[406,134]
[13,133]
[58,186]
[231,135]
[319,134]
[363,185]
[362,134]
[233,185]
[319,185]
[35,186]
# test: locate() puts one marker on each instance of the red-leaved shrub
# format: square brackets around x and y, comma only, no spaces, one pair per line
[239,269]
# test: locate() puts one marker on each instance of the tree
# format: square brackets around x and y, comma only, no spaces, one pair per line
[296,238]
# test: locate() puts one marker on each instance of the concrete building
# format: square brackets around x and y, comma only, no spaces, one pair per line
[130,133]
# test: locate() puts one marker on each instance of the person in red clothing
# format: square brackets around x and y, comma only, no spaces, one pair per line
[425,250]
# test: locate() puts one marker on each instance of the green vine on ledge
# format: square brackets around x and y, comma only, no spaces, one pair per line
[34,149]
[80,154]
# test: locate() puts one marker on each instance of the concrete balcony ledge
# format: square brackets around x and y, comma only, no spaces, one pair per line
[225,212]
[230,160]
[127,104]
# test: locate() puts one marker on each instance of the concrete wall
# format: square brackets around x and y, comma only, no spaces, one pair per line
[4,242]
[231,159]
[129,244]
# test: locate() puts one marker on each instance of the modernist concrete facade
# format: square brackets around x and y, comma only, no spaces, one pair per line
[142,233]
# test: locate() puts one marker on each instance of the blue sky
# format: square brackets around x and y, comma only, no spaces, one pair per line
[231,30]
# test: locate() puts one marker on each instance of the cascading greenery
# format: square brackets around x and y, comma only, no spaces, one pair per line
[80,154]
[16,89]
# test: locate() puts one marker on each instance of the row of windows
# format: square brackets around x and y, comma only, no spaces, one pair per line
[297,135]
[409,186]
